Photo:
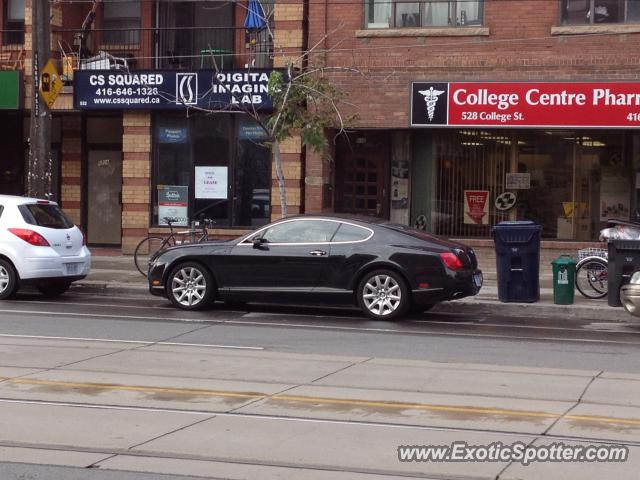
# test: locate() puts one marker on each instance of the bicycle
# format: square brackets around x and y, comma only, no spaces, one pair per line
[149,247]
[592,273]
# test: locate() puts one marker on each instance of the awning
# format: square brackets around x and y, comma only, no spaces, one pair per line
[256,18]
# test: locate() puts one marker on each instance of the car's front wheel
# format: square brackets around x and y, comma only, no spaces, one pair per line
[383,295]
[53,288]
[8,280]
[190,286]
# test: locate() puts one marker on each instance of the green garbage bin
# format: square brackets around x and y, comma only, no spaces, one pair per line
[564,279]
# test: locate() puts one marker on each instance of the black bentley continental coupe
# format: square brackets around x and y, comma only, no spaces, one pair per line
[384,268]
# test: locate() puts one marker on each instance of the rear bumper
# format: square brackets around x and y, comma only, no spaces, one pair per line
[51,265]
[630,298]
[461,284]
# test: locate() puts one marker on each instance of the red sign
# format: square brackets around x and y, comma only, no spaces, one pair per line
[476,210]
[526,104]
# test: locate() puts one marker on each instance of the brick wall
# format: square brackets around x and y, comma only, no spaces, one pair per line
[522,43]
[136,177]
[289,43]
[71,164]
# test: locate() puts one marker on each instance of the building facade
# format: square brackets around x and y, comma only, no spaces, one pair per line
[468,112]
[120,168]
[473,112]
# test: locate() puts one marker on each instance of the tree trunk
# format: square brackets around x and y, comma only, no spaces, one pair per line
[280,177]
[39,169]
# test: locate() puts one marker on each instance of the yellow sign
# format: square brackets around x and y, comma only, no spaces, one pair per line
[50,83]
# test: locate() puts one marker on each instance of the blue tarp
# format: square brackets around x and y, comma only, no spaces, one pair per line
[256,19]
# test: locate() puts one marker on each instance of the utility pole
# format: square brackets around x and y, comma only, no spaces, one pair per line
[39,167]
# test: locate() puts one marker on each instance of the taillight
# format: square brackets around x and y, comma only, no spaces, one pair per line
[451,260]
[29,236]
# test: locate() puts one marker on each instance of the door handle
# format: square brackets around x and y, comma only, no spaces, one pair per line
[318,253]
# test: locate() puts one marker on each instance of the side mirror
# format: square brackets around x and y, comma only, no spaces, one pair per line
[259,242]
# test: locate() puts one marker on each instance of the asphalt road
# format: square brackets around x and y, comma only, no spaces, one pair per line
[102,388]
[487,339]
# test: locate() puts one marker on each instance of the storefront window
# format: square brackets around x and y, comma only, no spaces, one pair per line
[211,166]
[570,182]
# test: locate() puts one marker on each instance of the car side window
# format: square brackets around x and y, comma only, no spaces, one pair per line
[301,231]
[1,210]
[350,233]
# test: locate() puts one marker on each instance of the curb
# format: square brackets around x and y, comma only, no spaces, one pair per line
[559,312]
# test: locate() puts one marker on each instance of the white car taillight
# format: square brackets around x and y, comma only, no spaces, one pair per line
[29,236]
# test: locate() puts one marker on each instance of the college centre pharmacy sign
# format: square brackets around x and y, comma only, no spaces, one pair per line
[525,104]
[170,89]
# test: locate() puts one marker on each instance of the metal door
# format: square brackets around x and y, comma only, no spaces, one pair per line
[104,195]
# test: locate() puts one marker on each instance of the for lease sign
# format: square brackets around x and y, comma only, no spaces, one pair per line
[525,104]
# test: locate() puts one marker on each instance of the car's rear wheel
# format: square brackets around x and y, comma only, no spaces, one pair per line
[383,295]
[8,280]
[190,286]
[53,288]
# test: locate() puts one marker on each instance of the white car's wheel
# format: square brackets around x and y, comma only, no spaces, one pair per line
[8,279]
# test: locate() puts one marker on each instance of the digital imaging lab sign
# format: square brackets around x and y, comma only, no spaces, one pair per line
[166,90]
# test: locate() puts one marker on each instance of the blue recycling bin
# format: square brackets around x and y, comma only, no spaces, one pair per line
[518,261]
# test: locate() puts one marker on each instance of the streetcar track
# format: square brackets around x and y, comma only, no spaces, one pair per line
[317,420]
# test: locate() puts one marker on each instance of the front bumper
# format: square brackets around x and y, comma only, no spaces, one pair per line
[156,279]
[51,265]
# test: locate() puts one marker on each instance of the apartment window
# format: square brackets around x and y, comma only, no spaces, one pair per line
[581,12]
[14,23]
[429,13]
[123,21]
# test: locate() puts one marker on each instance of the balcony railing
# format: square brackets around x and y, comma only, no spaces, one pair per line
[167,48]
[11,49]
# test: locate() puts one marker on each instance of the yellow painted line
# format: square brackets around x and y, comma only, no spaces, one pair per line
[598,419]
[415,406]
[325,400]
[134,388]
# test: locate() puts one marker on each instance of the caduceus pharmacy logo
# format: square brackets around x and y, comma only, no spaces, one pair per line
[431,99]
[187,88]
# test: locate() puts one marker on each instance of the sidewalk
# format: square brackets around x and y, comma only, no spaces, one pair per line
[117,275]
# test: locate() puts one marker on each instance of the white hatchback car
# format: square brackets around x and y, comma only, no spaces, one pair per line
[39,246]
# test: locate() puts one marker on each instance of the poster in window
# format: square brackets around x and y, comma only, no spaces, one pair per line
[614,195]
[173,203]
[476,207]
[211,182]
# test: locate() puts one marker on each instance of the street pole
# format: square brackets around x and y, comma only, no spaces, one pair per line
[39,168]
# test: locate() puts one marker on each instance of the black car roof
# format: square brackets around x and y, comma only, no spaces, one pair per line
[343,216]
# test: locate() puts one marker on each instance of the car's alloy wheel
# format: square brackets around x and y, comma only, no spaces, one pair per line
[8,280]
[383,295]
[190,287]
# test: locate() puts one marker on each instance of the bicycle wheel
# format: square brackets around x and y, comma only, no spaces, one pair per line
[592,278]
[147,250]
